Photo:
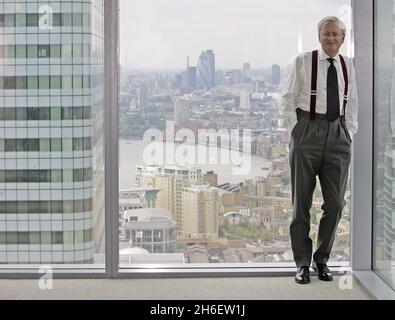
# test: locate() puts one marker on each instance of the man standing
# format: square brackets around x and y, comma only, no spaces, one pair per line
[320,96]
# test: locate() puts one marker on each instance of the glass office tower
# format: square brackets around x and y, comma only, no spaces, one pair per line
[51,132]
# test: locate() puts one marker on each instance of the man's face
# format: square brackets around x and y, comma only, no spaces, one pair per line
[331,38]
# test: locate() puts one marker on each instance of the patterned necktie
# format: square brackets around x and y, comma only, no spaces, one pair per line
[332,87]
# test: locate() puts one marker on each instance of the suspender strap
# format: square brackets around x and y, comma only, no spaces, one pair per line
[313,96]
[345,75]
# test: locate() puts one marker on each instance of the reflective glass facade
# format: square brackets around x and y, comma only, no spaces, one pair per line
[51,132]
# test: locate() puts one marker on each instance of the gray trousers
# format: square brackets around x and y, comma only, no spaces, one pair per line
[320,148]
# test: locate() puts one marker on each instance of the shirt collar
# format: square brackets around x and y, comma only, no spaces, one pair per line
[323,56]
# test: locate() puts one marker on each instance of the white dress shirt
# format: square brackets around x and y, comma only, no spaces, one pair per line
[296,90]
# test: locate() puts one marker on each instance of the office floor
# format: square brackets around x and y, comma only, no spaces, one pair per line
[245,288]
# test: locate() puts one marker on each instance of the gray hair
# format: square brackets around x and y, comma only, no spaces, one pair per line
[332,19]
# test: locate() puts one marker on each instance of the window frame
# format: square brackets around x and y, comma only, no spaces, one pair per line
[361,237]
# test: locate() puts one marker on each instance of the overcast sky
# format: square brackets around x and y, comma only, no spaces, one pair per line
[160,34]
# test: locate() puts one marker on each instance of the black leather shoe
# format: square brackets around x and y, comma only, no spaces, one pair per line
[302,275]
[323,272]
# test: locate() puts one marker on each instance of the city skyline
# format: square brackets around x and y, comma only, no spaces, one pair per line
[165,33]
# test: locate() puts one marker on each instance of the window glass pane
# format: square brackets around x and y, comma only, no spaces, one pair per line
[86,82]
[67,175]
[57,19]
[12,238]
[21,51]
[21,114]
[86,22]
[33,114]
[56,82]
[20,19]
[3,235]
[384,143]
[67,145]
[32,51]
[77,51]
[79,236]
[213,201]
[56,176]
[32,82]
[22,145]
[43,82]
[67,82]
[56,207]
[55,51]
[21,83]
[77,19]
[34,237]
[67,19]
[68,237]
[43,51]
[56,145]
[9,83]
[45,237]
[56,113]
[23,238]
[10,51]
[44,114]
[23,207]
[9,20]
[67,51]
[87,235]
[68,207]
[57,237]
[77,82]
[33,145]
[86,51]
[44,145]
[10,114]
[32,20]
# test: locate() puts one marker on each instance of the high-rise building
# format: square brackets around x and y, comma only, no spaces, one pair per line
[246,72]
[51,132]
[276,75]
[180,110]
[205,76]
[171,180]
[259,86]
[245,100]
[143,96]
[200,212]
[236,76]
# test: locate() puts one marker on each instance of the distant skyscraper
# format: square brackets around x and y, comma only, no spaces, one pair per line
[192,78]
[276,75]
[180,108]
[246,72]
[259,86]
[236,76]
[245,101]
[205,77]
[219,78]
[143,96]
[51,132]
